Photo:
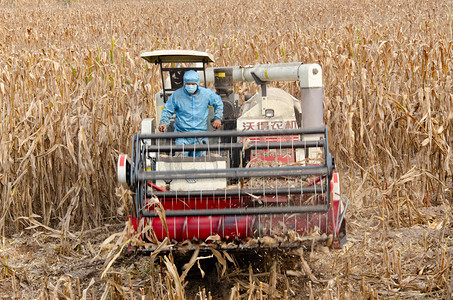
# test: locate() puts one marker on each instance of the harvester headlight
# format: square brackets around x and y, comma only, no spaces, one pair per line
[269,113]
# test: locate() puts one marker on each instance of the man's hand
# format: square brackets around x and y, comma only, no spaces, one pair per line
[216,124]
[162,127]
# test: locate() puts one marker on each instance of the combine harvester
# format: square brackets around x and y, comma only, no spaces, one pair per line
[267,179]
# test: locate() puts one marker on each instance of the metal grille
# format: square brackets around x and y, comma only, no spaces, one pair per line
[243,184]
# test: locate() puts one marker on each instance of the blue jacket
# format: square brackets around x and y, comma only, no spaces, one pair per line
[191,110]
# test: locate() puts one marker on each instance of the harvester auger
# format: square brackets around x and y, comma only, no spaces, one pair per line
[267,174]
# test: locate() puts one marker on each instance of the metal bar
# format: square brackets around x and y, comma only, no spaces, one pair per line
[204,73]
[225,146]
[244,192]
[233,133]
[241,211]
[135,159]
[341,217]
[163,81]
[183,69]
[136,200]
[296,71]
[232,173]
[136,165]
[329,164]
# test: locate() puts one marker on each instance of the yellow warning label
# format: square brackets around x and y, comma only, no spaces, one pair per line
[265,74]
[220,74]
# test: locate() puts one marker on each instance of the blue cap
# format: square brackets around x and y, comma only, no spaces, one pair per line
[191,76]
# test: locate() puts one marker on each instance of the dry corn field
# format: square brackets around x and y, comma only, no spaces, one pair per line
[73,91]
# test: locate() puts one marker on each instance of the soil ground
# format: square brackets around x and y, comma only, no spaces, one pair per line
[379,261]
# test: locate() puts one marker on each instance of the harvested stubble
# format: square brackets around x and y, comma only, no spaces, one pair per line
[73,91]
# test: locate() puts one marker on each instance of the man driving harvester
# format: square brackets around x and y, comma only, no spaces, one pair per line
[191,106]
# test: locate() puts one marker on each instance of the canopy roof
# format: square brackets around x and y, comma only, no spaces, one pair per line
[177,56]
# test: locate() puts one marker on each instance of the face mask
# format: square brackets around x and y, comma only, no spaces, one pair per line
[190,88]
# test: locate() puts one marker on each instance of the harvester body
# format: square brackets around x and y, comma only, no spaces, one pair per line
[267,173]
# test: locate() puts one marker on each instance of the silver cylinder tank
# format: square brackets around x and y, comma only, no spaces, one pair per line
[312,110]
